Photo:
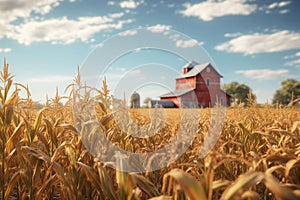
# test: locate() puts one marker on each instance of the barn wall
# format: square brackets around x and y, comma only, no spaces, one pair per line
[190,99]
[228,100]
[185,83]
[204,98]
[174,99]
[211,93]
[213,76]
[205,95]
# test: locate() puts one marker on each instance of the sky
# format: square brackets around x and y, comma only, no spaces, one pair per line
[147,42]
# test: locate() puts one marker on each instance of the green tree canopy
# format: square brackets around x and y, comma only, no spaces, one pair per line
[238,91]
[146,100]
[290,89]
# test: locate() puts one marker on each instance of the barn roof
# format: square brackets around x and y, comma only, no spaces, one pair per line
[196,69]
[177,93]
[226,93]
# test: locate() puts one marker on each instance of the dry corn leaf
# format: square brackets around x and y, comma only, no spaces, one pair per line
[241,184]
[189,185]
[91,175]
[17,132]
[15,177]
[145,185]
[279,191]
[290,164]
[162,197]
[220,183]
[295,126]
[251,195]
[106,183]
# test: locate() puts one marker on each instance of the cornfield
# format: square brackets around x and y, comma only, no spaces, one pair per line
[42,155]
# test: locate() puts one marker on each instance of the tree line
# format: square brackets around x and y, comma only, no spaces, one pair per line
[287,94]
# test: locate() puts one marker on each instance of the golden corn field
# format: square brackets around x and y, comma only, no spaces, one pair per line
[42,155]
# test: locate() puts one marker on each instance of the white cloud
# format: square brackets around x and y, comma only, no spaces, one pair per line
[129,4]
[174,37]
[128,33]
[137,50]
[263,74]
[232,34]
[268,12]
[278,4]
[210,9]
[284,11]
[135,72]
[295,63]
[273,5]
[186,43]
[117,15]
[11,10]
[93,46]
[262,43]
[31,26]
[100,45]
[159,28]
[5,50]
[111,3]
[284,3]
[292,56]
[63,30]
[4,28]
[288,56]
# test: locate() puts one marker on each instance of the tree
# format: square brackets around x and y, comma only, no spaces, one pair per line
[290,90]
[145,102]
[38,105]
[240,92]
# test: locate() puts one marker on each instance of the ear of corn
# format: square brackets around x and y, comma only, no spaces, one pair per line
[43,156]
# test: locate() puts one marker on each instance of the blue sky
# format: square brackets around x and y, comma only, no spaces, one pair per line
[250,41]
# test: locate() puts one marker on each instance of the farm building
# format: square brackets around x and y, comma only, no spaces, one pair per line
[198,85]
[134,100]
[164,104]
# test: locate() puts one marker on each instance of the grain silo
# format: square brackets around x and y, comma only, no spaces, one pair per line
[135,100]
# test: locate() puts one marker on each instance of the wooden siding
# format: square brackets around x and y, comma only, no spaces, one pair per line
[185,83]
[203,95]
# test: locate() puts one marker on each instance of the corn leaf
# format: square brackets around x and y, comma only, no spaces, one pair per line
[189,185]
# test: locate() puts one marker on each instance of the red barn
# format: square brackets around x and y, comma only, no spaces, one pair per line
[197,85]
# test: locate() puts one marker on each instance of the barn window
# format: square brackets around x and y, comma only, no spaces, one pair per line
[208,70]
[207,82]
